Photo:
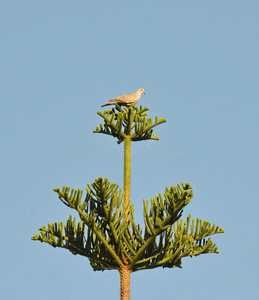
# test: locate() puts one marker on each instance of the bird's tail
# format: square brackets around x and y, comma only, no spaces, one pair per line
[112,101]
[106,104]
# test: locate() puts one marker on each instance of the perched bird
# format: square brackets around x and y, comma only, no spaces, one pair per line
[127,99]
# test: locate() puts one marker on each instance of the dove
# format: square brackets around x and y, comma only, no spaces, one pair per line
[127,99]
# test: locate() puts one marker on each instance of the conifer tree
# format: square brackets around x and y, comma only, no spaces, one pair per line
[107,233]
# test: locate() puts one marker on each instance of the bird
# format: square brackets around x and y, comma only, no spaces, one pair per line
[127,99]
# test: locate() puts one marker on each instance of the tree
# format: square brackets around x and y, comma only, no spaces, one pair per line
[107,233]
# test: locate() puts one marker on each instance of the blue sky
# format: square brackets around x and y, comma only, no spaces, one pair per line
[198,63]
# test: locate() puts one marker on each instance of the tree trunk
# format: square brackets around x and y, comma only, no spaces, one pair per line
[127,172]
[125,282]
[124,271]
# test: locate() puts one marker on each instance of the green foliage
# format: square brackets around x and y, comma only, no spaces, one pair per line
[107,233]
[111,233]
[130,121]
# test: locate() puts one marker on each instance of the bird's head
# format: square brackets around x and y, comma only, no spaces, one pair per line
[141,91]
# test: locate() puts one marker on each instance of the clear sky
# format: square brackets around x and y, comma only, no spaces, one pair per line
[198,62]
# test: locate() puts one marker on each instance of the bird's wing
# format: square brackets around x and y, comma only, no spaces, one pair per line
[128,98]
